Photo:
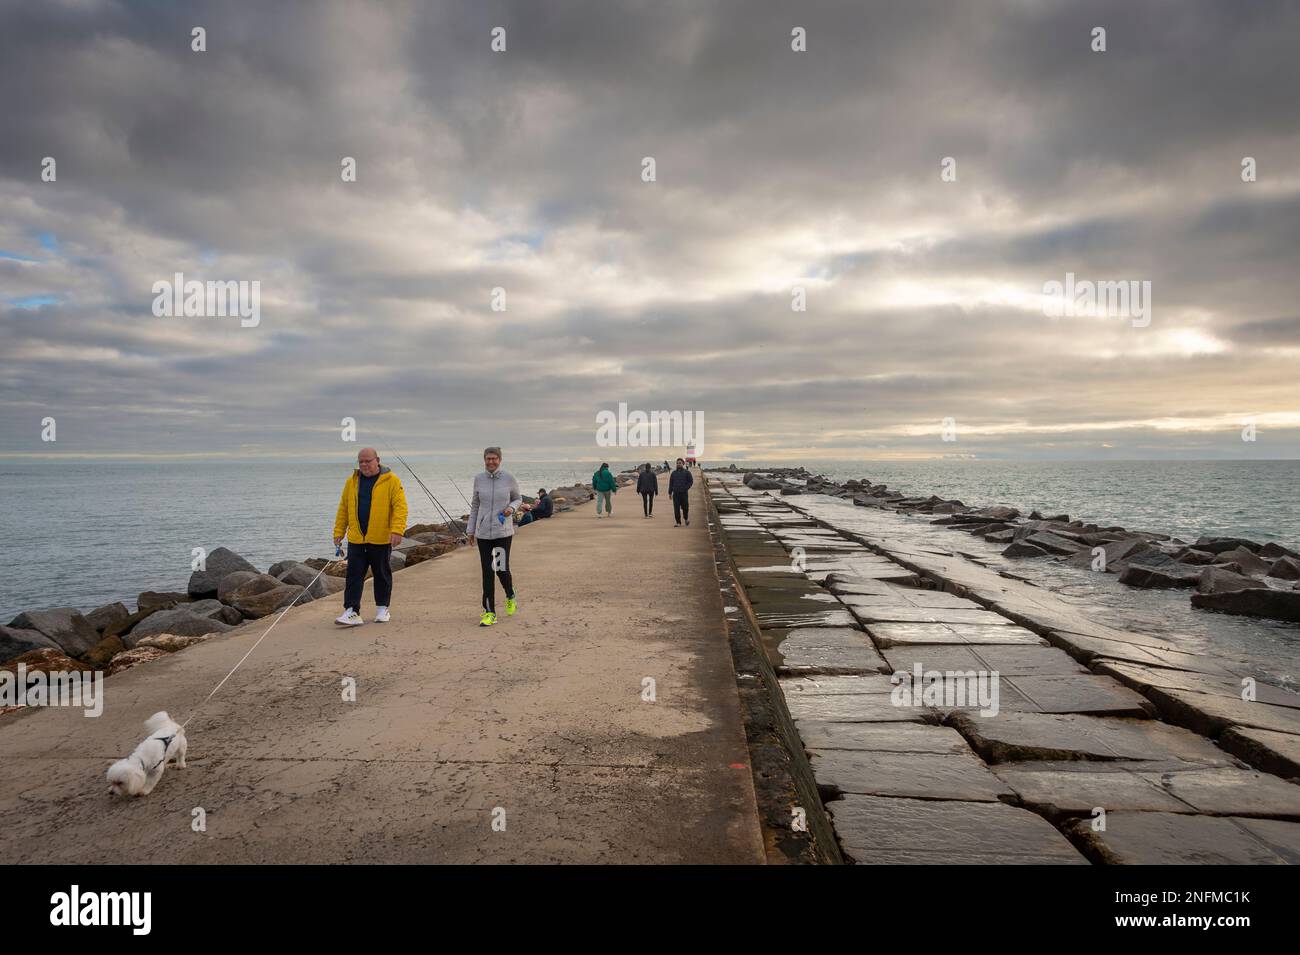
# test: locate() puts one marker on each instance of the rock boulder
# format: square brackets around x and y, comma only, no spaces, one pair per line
[1254,602]
[418,555]
[339,568]
[1285,568]
[324,586]
[233,582]
[1246,559]
[416,529]
[101,617]
[999,512]
[298,574]
[1273,551]
[1190,555]
[1217,545]
[133,658]
[318,585]
[178,620]
[160,600]
[101,654]
[122,627]
[1055,543]
[1153,569]
[46,660]
[1115,553]
[1024,549]
[214,610]
[254,605]
[1216,579]
[65,627]
[171,642]
[15,642]
[219,563]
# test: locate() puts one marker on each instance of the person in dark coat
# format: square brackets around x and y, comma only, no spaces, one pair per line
[544,506]
[647,485]
[678,487]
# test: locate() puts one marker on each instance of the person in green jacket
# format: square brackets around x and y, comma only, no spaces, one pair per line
[603,483]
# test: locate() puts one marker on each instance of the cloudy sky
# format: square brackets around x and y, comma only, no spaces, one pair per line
[775,170]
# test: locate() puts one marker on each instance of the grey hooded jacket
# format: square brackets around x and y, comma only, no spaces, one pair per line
[493,493]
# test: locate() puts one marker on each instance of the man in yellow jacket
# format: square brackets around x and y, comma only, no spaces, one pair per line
[372,511]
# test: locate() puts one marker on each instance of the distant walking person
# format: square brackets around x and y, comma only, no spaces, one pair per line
[372,512]
[678,487]
[647,485]
[491,522]
[603,483]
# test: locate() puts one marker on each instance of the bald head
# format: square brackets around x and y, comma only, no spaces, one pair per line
[368,461]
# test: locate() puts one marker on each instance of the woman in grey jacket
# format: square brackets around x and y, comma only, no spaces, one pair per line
[491,523]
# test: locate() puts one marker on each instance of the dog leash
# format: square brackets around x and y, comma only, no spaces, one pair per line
[338,552]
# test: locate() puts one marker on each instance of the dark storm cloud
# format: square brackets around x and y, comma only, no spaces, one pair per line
[521,170]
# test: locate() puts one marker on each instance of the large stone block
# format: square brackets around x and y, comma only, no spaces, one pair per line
[916,775]
[880,830]
[1217,791]
[65,627]
[1161,838]
[1012,737]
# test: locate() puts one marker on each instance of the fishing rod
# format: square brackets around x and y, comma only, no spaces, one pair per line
[424,487]
[458,491]
[446,514]
[451,521]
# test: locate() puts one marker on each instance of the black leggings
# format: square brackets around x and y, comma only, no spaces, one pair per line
[681,506]
[485,556]
[647,503]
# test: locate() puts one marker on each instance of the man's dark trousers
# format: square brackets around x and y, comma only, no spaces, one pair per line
[375,558]
[681,506]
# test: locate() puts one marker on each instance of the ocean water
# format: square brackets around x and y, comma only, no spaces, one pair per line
[82,532]
[1258,500]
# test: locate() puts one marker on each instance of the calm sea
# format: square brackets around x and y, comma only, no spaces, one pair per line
[1258,500]
[82,532]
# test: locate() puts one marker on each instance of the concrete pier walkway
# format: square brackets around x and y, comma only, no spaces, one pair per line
[1105,746]
[541,722]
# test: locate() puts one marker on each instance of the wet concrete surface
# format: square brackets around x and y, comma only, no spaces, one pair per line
[1089,715]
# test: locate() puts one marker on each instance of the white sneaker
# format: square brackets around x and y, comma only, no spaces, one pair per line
[381,615]
[350,618]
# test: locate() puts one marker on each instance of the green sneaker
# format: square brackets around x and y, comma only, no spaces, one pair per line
[511,606]
[487,620]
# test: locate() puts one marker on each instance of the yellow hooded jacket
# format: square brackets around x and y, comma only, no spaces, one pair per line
[387,509]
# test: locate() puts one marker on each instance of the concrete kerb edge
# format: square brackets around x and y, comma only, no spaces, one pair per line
[780,767]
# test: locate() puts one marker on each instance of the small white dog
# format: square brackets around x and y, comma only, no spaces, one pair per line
[139,773]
